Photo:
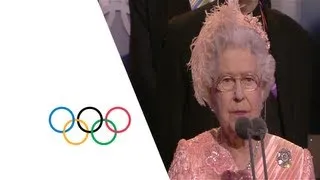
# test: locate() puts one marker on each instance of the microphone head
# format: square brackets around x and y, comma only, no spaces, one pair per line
[259,128]
[242,126]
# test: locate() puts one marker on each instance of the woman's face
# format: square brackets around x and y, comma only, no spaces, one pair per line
[236,92]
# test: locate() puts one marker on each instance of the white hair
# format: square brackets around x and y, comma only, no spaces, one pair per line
[230,37]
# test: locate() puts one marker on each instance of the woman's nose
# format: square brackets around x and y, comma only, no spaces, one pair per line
[238,93]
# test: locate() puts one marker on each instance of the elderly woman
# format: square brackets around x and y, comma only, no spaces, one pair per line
[233,73]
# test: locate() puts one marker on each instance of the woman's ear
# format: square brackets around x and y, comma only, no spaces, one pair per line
[248,6]
[212,99]
[212,107]
[264,94]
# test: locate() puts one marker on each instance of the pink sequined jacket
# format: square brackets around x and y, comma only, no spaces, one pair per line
[202,158]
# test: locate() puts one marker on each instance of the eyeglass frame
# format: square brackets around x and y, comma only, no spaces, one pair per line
[255,77]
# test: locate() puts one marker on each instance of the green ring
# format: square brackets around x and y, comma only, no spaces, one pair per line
[103,143]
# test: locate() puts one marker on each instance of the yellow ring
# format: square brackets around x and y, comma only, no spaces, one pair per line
[75,143]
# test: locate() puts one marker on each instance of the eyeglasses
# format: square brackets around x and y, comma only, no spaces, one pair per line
[228,83]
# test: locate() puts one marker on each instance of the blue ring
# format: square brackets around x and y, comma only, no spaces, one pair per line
[50,119]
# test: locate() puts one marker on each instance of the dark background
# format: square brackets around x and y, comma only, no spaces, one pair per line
[310,20]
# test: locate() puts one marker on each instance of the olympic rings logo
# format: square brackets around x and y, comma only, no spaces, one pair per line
[93,128]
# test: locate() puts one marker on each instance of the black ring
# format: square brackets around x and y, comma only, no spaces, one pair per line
[95,109]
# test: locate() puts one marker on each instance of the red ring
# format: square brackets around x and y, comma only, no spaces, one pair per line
[129,121]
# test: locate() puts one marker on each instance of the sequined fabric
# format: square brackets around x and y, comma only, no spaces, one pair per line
[202,158]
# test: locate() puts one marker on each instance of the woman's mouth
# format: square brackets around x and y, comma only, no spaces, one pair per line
[239,113]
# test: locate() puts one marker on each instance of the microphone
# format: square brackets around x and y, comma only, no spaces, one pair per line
[243,129]
[260,129]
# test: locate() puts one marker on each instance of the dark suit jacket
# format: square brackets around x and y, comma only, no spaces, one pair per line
[149,21]
[148,25]
[182,117]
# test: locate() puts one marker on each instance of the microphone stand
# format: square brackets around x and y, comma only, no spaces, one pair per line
[251,154]
[264,157]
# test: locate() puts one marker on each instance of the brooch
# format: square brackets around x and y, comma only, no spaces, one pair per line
[284,158]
